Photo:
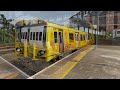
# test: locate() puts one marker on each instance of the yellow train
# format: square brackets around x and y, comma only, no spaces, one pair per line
[47,41]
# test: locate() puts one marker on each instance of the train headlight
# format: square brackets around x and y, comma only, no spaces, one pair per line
[18,49]
[41,52]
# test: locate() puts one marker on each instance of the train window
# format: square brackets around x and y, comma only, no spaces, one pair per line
[21,35]
[33,35]
[36,35]
[18,34]
[81,37]
[44,33]
[89,36]
[44,37]
[25,35]
[55,37]
[76,36]
[118,32]
[40,36]
[60,37]
[71,36]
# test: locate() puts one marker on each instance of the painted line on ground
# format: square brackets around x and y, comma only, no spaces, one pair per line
[65,71]
[15,67]
[12,76]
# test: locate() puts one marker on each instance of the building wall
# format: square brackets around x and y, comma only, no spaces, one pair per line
[109,22]
[118,14]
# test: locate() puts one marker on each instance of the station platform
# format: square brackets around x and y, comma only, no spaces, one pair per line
[61,68]
[100,62]
[9,71]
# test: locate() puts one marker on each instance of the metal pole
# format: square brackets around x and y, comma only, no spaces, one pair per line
[97,30]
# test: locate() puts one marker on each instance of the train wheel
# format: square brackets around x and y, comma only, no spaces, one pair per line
[53,60]
[59,58]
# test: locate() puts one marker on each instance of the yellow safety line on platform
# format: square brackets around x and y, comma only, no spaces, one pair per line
[12,76]
[61,73]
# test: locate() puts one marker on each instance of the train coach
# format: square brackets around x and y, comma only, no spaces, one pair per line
[47,41]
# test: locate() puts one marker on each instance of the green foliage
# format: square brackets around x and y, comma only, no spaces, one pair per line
[108,35]
[6,36]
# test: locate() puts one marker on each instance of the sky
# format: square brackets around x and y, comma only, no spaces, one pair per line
[59,17]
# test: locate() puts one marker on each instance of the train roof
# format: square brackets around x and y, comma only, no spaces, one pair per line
[30,23]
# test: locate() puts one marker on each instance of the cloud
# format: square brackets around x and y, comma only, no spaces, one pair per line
[53,16]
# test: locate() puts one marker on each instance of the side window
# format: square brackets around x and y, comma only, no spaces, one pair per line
[81,37]
[21,35]
[33,35]
[71,36]
[36,35]
[44,37]
[77,37]
[55,37]
[60,37]
[18,34]
[25,35]
[89,36]
[40,36]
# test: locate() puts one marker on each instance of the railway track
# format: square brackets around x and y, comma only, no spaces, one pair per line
[27,66]
[6,49]
[9,71]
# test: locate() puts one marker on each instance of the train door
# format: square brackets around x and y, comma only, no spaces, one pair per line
[77,39]
[60,39]
[56,41]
